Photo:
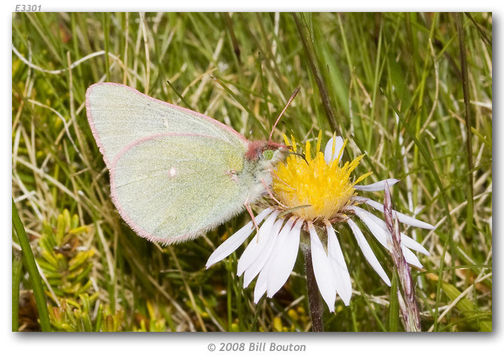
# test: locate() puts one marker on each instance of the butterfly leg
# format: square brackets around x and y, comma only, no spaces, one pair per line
[268,190]
[247,206]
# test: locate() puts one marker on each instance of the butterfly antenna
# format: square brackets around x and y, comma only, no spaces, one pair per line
[285,108]
[302,156]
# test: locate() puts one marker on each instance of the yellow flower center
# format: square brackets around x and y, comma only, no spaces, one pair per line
[312,188]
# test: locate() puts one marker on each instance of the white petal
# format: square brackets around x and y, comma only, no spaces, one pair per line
[343,283]
[366,217]
[381,234]
[368,252]
[261,285]
[235,240]
[255,246]
[322,269]
[410,257]
[328,152]
[281,268]
[377,186]
[273,258]
[379,229]
[413,245]
[405,219]
[257,265]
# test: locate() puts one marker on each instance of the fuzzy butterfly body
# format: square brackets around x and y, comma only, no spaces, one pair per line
[174,173]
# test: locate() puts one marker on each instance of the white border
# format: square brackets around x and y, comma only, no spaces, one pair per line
[164,346]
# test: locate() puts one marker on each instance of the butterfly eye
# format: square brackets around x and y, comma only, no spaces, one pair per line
[267,154]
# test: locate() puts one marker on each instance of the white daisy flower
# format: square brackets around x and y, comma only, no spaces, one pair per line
[317,192]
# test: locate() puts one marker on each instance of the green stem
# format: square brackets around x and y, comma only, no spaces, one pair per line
[29,260]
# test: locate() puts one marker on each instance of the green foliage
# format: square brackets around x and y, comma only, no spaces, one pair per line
[389,82]
[66,267]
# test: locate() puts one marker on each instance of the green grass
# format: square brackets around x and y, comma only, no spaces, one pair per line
[392,83]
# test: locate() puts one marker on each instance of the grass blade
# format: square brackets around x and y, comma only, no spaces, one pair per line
[29,260]
[17,266]
[324,95]
[394,305]
[468,124]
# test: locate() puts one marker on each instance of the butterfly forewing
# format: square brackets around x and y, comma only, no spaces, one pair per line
[120,115]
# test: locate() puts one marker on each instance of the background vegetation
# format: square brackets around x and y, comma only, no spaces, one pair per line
[413,91]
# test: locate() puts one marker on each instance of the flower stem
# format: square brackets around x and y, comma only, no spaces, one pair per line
[314,301]
[408,305]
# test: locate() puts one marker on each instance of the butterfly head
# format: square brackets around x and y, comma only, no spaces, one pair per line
[266,151]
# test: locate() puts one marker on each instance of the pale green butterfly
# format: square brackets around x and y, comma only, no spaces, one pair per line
[174,173]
